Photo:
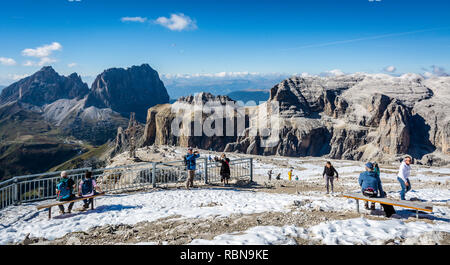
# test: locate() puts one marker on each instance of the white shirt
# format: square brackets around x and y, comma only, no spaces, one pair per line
[404,172]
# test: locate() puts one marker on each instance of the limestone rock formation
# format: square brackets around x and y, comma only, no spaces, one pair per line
[358,117]
[134,89]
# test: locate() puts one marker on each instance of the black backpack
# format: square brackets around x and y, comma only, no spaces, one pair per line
[388,210]
[185,162]
[87,186]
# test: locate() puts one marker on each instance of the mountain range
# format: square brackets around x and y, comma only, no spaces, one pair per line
[48,120]
[47,112]
[364,117]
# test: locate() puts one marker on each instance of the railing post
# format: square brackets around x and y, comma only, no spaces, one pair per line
[251,169]
[154,175]
[16,192]
[206,170]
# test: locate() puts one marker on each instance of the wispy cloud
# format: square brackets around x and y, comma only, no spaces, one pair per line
[318,45]
[134,19]
[390,69]
[177,22]
[43,53]
[70,65]
[7,61]
[16,76]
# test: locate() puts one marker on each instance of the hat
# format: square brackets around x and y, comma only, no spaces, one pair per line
[369,165]
[190,149]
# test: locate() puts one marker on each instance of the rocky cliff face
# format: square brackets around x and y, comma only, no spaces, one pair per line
[128,90]
[358,117]
[160,118]
[89,114]
[48,111]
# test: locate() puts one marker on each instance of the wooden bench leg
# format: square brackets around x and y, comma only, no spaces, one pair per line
[92,204]
[50,213]
[357,205]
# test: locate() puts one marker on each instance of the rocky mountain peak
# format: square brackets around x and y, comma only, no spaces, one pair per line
[44,87]
[134,89]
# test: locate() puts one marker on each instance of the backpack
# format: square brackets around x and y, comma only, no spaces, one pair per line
[388,210]
[64,191]
[87,186]
[370,192]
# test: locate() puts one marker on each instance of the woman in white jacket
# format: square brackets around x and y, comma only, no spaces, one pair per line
[403,177]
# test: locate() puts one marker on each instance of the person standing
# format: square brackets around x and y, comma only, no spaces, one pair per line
[224,168]
[64,192]
[270,174]
[328,173]
[190,159]
[290,175]
[403,177]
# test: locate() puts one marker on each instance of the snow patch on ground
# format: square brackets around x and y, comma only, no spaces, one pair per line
[17,222]
[362,231]
[259,235]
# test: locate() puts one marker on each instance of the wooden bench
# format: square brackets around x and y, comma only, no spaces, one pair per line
[418,206]
[49,206]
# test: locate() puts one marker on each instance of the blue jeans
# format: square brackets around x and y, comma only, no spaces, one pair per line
[405,189]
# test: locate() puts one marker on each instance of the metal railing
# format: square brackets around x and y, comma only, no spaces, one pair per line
[39,187]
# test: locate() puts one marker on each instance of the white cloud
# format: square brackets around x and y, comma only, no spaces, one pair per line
[16,76]
[7,61]
[29,63]
[390,69]
[334,72]
[43,51]
[46,61]
[134,19]
[224,75]
[435,71]
[70,65]
[177,22]
[439,71]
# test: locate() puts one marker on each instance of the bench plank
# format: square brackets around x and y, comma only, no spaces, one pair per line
[40,207]
[421,206]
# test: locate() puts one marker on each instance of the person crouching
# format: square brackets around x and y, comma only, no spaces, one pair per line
[370,185]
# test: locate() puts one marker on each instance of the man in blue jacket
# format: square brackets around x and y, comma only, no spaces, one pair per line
[370,184]
[190,159]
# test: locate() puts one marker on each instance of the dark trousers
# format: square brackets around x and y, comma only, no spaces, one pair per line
[61,207]
[88,202]
[190,179]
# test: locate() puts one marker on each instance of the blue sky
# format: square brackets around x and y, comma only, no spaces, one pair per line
[189,37]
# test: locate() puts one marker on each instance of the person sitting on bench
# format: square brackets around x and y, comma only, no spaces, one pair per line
[88,187]
[370,185]
[64,192]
